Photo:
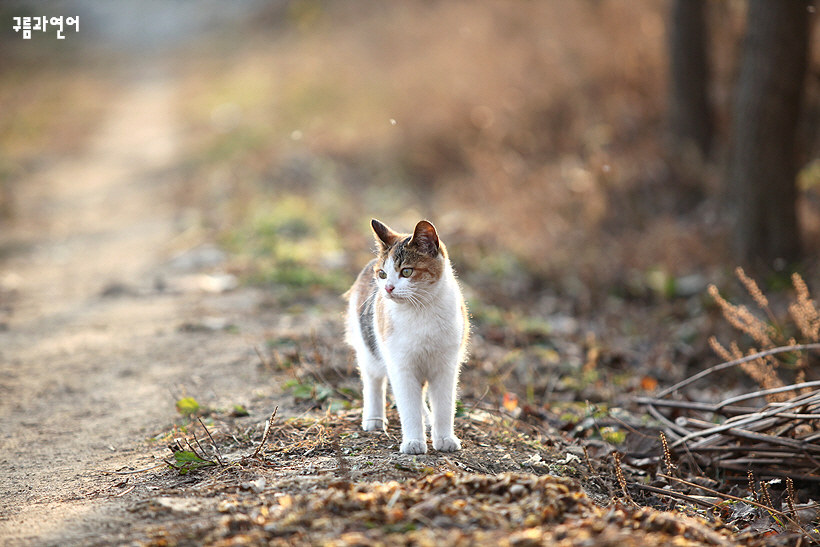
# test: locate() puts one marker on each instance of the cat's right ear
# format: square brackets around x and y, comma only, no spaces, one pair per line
[385,237]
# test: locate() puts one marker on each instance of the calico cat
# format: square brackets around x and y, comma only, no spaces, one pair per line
[407,321]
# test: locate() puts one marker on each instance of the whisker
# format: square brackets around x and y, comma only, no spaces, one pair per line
[424,296]
[371,296]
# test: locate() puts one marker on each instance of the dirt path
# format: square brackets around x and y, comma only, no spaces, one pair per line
[92,354]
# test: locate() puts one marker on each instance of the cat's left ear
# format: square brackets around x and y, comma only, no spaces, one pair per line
[426,238]
[385,237]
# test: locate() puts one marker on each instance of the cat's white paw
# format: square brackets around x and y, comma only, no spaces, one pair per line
[374,424]
[414,447]
[447,444]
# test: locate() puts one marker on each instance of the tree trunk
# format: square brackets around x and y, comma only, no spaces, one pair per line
[764,163]
[690,111]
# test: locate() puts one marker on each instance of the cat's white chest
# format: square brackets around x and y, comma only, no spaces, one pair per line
[416,334]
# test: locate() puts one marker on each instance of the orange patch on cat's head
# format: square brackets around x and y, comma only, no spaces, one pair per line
[423,250]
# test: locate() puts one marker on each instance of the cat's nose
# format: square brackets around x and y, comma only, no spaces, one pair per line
[389,288]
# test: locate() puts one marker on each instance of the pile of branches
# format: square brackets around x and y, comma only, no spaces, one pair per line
[778,440]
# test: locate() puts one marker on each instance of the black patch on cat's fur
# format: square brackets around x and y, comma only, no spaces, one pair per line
[400,252]
[366,320]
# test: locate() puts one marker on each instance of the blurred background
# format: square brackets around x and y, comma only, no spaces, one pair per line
[584,161]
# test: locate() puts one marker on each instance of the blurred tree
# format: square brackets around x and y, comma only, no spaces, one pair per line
[763,164]
[690,112]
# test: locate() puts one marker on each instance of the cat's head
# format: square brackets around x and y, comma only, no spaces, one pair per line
[408,265]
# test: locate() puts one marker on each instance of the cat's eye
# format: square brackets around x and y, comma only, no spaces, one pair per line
[382,274]
[406,272]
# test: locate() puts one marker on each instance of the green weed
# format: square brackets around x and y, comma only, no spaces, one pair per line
[188,406]
[188,460]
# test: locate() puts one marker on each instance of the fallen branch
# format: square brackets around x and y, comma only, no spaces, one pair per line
[736,362]
[776,440]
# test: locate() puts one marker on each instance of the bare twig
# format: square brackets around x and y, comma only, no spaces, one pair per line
[764,392]
[266,434]
[216,448]
[761,420]
[202,450]
[124,492]
[730,364]
[677,495]
[672,428]
[693,405]
[733,498]
[768,471]
[134,472]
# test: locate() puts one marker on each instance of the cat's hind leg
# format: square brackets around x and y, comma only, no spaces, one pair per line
[374,390]
[425,410]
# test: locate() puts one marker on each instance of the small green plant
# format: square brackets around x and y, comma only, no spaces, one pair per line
[188,460]
[188,406]
[306,389]
[239,411]
[613,435]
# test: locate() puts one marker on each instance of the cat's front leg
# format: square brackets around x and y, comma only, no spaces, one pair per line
[409,396]
[442,395]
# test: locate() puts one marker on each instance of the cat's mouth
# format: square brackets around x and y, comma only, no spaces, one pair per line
[395,296]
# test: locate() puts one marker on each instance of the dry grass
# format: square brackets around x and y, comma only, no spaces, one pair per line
[770,333]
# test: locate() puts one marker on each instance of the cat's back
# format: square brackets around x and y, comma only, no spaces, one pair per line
[364,286]
[359,330]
